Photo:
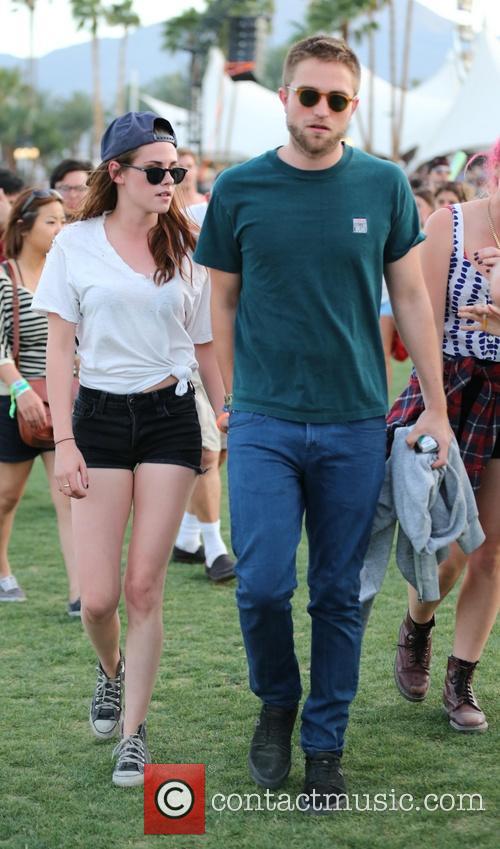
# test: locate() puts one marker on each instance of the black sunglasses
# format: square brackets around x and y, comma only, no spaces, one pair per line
[311,96]
[38,194]
[155,175]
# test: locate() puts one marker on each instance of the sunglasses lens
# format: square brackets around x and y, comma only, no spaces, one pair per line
[38,194]
[337,102]
[177,175]
[155,175]
[308,97]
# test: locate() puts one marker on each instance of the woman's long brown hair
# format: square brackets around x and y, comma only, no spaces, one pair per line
[170,240]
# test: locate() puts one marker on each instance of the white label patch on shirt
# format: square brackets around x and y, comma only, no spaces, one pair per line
[359,225]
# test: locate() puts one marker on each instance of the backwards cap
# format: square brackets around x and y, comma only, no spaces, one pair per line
[133,130]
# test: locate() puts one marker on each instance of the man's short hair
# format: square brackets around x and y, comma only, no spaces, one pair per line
[10,182]
[66,167]
[326,49]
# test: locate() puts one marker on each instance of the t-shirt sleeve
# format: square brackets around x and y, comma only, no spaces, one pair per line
[405,230]
[55,291]
[217,245]
[199,325]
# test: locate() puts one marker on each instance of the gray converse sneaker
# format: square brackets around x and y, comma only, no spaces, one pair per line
[10,589]
[106,707]
[131,754]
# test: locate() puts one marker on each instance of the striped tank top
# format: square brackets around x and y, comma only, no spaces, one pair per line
[465,286]
[33,331]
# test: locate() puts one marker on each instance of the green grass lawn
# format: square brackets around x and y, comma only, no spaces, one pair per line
[55,781]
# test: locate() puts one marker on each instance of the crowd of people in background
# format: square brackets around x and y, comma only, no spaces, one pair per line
[434,185]
[124,297]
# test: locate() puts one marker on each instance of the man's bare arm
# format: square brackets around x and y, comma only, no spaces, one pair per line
[225,296]
[416,320]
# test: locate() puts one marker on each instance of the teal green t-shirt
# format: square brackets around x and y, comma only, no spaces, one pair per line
[310,247]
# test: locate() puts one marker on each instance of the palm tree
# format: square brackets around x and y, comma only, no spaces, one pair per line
[393,80]
[30,5]
[398,106]
[88,15]
[404,72]
[122,15]
[328,16]
[15,97]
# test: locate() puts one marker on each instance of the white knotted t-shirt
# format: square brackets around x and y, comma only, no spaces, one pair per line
[132,333]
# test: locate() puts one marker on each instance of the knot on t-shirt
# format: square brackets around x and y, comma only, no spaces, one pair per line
[183,375]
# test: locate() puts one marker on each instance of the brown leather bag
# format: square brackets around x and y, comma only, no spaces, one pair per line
[35,437]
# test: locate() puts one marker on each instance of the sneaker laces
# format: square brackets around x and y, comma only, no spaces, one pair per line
[130,750]
[108,691]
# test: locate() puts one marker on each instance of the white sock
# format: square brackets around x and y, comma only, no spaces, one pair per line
[212,541]
[188,537]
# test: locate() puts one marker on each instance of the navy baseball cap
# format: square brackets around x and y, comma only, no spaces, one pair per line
[133,130]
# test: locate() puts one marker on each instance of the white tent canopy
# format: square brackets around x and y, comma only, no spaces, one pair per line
[426,103]
[472,122]
[178,117]
[240,119]
[382,107]
[423,108]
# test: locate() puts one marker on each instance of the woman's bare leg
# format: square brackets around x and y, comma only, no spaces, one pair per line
[449,573]
[13,478]
[161,493]
[99,522]
[479,597]
[62,506]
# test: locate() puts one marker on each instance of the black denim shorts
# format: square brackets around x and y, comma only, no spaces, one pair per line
[121,431]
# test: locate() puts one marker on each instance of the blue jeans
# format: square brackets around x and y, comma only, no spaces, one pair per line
[277,471]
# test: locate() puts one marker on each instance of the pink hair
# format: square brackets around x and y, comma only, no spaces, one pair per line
[492,164]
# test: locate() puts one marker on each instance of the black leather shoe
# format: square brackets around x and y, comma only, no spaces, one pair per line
[324,787]
[181,556]
[222,569]
[270,755]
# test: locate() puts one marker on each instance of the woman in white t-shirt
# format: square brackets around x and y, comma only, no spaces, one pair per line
[122,279]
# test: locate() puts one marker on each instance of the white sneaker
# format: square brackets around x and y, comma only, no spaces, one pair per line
[131,754]
[10,589]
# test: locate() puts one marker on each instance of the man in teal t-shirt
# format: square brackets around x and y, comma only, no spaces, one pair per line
[298,240]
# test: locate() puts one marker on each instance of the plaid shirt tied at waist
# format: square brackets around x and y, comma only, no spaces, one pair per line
[480,428]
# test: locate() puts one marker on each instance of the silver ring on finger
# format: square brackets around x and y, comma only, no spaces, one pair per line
[65,485]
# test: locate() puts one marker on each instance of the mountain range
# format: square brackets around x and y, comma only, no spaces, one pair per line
[64,71]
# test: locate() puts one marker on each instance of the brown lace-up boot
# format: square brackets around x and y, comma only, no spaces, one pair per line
[413,659]
[459,700]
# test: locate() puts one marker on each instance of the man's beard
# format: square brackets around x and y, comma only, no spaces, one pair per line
[312,147]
